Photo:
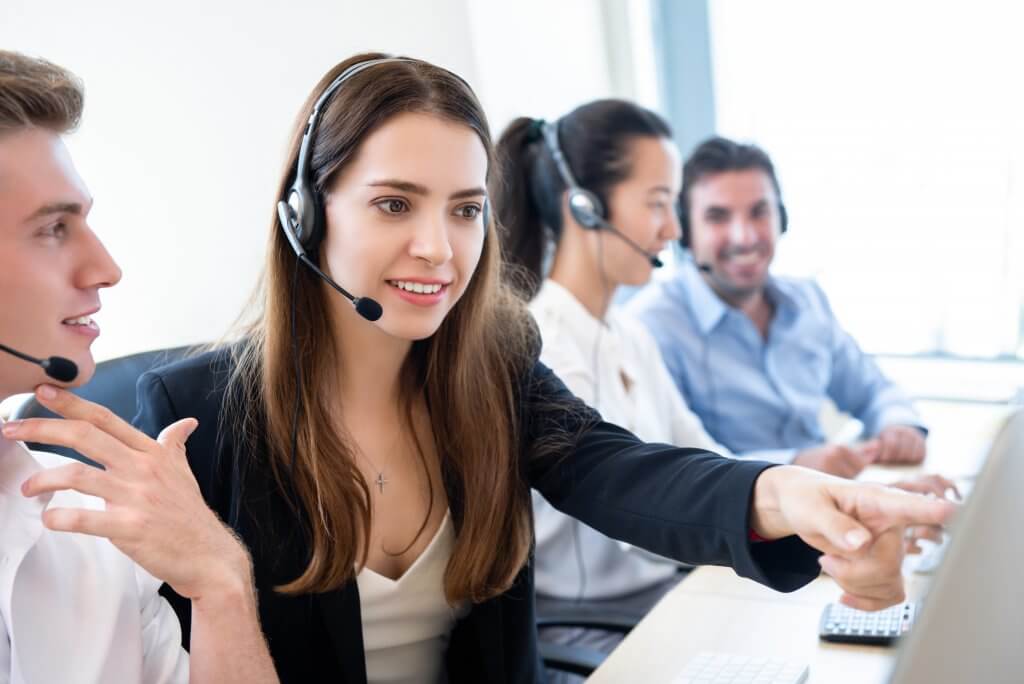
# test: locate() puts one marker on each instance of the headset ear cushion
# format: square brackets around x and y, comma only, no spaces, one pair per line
[783,218]
[586,208]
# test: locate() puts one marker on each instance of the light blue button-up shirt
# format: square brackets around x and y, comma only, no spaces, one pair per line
[761,397]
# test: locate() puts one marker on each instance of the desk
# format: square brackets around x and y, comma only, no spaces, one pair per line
[715,610]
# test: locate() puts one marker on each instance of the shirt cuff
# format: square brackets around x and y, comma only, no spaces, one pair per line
[780,456]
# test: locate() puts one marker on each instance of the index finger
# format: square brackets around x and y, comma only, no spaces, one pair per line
[66,404]
[903,508]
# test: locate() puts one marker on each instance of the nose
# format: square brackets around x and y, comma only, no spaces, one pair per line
[430,242]
[97,268]
[671,230]
[742,232]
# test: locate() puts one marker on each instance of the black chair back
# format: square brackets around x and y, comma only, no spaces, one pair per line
[113,386]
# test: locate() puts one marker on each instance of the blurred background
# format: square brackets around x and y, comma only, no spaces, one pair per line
[897,130]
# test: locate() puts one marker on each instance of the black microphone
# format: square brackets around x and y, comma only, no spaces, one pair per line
[653,258]
[57,367]
[368,308]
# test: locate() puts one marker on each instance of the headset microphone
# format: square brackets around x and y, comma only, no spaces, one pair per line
[57,367]
[584,205]
[653,258]
[368,308]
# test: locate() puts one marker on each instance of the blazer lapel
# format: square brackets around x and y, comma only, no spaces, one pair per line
[343,620]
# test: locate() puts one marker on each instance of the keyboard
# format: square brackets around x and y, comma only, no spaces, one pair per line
[731,668]
[843,624]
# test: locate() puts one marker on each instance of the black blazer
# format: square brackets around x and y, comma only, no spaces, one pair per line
[686,504]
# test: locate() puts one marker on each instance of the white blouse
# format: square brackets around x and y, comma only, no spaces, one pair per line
[407,622]
[614,366]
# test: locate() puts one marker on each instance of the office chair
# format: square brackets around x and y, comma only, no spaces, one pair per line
[112,386]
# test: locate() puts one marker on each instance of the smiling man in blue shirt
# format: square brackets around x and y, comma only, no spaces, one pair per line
[756,355]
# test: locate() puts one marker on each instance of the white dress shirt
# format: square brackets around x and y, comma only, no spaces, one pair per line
[74,608]
[615,367]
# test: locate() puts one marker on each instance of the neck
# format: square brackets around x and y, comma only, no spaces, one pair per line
[369,361]
[580,273]
[753,303]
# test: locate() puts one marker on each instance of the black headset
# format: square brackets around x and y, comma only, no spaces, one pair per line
[584,205]
[684,214]
[302,211]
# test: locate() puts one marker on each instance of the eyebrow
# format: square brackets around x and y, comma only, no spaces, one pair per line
[660,189]
[58,208]
[416,189]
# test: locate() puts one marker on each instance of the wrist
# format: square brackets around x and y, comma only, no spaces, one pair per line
[226,581]
[766,519]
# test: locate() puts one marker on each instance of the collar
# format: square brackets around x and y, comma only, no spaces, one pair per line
[709,309]
[20,518]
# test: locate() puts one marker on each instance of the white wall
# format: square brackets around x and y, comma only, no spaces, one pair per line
[188,110]
[189,105]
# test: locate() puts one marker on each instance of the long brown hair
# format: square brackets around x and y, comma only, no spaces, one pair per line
[467,372]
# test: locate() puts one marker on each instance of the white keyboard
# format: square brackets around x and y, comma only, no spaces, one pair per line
[730,668]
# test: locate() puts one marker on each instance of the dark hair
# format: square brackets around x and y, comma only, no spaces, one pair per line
[527,192]
[34,92]
[467,371]
[719,155]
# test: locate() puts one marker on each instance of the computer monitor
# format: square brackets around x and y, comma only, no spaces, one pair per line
[971,625]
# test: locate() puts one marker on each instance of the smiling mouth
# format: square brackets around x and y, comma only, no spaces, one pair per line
[418,288]
[81,322]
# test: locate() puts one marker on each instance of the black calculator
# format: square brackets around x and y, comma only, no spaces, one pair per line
[845,625]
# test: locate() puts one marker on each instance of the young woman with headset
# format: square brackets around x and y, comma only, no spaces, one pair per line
[377,459]
[587,202]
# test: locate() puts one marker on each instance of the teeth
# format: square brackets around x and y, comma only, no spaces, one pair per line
[418,288]
[81,320]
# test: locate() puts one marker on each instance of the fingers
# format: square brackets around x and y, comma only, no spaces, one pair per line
[901,444]
[929,484]
[176,434]
[869,451]
[73,407]
[84,521]
[930,533]
[873,581]
[854,461]
[889,507]
[76,476]
[842,533]
[82,436]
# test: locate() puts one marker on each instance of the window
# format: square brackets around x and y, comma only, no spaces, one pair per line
[897,130]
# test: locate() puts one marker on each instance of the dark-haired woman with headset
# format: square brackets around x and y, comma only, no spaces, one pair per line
[587,202]
[380,470]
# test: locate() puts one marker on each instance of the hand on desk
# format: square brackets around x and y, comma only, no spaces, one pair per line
[839,459]
[929,485]
[858,526]
[900,444]
[155,512]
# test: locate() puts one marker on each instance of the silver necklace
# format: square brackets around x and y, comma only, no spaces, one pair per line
[380,480]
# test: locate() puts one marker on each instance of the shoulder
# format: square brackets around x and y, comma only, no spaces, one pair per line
[194,375]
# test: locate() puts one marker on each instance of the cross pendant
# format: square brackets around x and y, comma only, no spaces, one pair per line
[381,481]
